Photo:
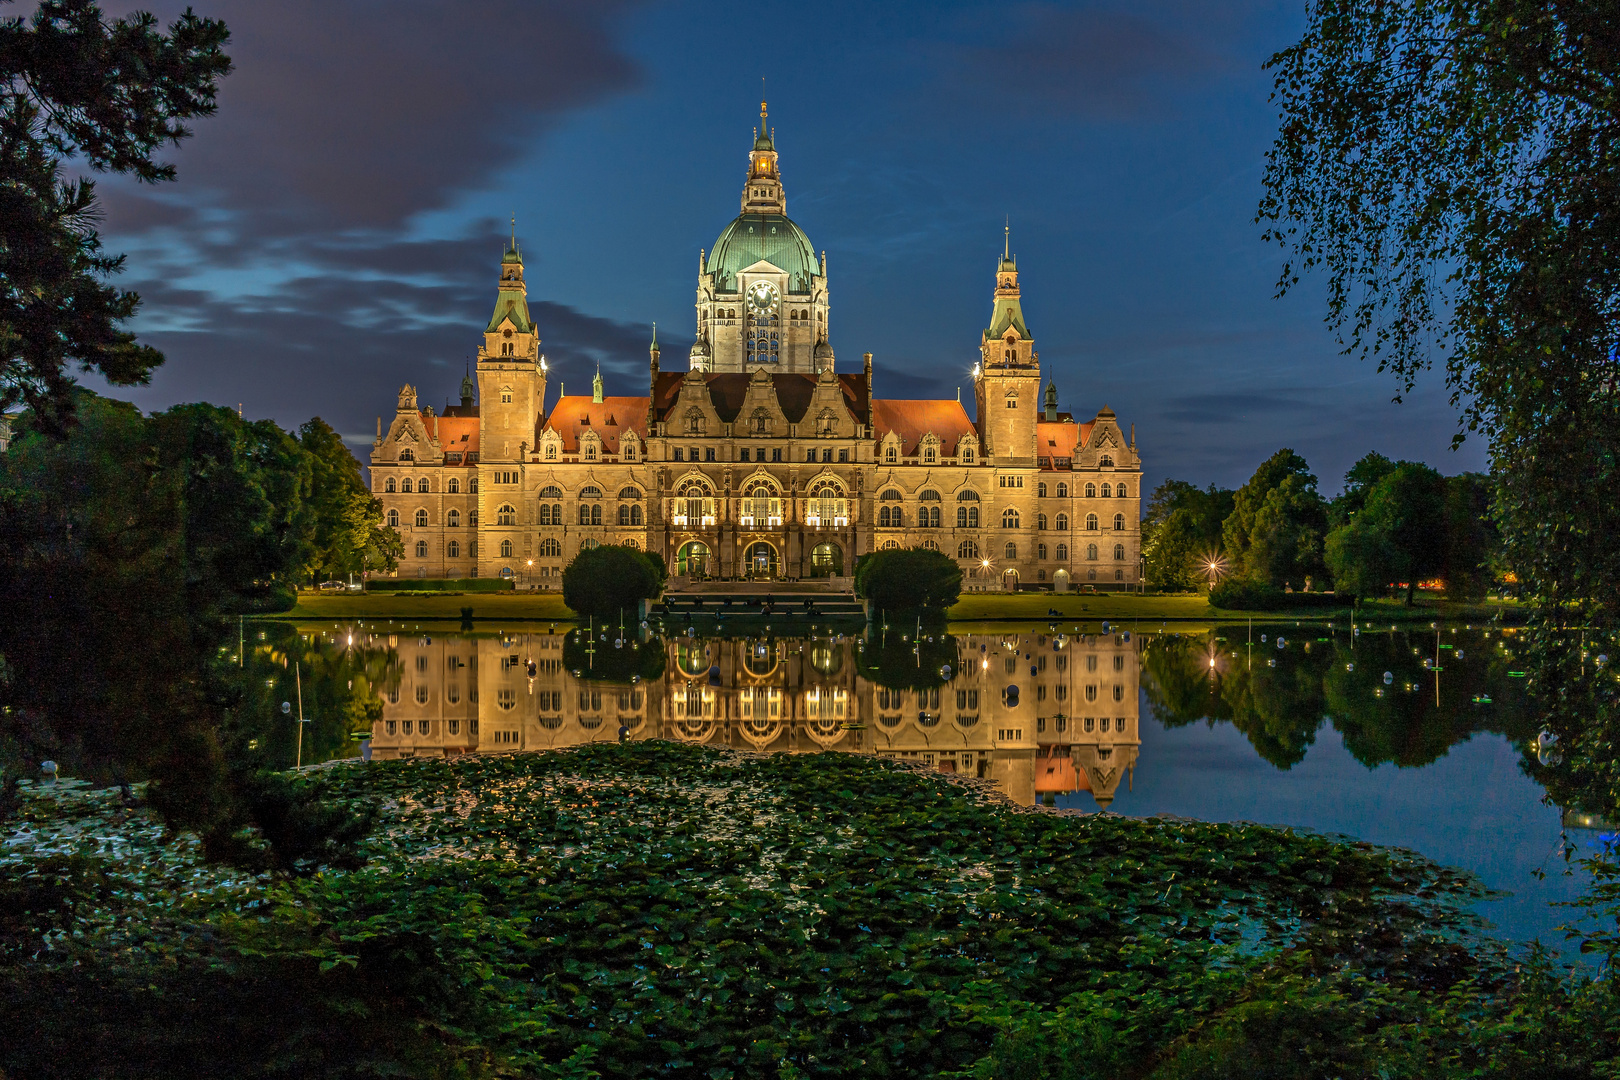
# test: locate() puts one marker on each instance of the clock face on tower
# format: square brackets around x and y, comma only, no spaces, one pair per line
[762,297]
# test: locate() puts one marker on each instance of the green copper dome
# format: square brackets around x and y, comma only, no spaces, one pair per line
[772,237]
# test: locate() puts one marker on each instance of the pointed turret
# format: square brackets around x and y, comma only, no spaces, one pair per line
[1007,316]
[1049,411]
[511,304]
[763,194]
[596,386]
[469,390]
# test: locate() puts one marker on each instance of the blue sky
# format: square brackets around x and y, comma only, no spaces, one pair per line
[335,229]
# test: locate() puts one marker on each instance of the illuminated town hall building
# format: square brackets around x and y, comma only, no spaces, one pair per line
[762,458]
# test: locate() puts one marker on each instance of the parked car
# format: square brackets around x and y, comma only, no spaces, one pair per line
[334,586]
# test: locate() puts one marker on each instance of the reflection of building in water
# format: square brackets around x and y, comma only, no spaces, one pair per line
[1039,716]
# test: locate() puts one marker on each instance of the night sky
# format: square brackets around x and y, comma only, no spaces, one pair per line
[336,228]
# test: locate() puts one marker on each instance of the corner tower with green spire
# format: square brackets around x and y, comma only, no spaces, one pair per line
[1007,380]
[511,371]
[762,289]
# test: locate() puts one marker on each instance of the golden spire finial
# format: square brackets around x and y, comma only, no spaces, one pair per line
[762,112]
[1006,238]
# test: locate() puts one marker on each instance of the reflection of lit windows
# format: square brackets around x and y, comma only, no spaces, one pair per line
[406,727]
[452,694]
[390,726]
[455,727]
[421,695]
[506,699]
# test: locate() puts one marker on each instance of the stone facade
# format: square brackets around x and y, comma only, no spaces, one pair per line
[760,459]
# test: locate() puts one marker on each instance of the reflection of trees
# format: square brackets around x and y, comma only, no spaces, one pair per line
[604,662]
[889,661]
[342,688]
[1279,709]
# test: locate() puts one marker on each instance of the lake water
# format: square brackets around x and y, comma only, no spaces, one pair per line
[1418,739]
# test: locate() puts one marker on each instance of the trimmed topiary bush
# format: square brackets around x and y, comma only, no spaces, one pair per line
[607,580]
[908,579]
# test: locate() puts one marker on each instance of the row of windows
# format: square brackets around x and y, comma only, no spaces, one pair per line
[969,549]
[452,486]
[550,548]
[889,517]
[1109,491]
[891,455]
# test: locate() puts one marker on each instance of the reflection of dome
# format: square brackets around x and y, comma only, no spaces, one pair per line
[826,659]
[771,237]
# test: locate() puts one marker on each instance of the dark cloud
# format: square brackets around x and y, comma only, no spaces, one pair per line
[358,113]
[342,344]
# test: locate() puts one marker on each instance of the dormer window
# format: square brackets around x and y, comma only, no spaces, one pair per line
[506,394]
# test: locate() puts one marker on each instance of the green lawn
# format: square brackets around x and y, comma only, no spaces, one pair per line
[527,606]
[973,607]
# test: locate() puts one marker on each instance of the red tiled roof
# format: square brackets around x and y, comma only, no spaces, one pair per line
[1060,439]
[571,417]
[911,420]
[728,391]
[456,434]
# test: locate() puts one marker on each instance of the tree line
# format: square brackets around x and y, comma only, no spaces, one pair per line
[1395,524]
[132,541]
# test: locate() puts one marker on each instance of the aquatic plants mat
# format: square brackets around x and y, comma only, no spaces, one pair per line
[660,910]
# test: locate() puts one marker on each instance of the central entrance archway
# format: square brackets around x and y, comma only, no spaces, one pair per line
[827,560]
[761,561]
[692,559]
[1009,581]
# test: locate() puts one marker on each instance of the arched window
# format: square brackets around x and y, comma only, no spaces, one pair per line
[1040,490]
[1106,461]
[452,486]
[453,550]
[694,422]
[453,519]
[590,491]
[421,549]
[967,456]
[405,485]
[1119,552]
[506,549]
[890,456]
[590,515]
[627,450]
[891,545]
[1091,552]
[1040,521]
[422,485]
[1009,518]
[635,516]
[1091,523]
[1063,523]
[551,491]
[421,518]
[472,485]
[388,485]
[1119,492]
[1012,550]
[550,548]
[1107,492]
[506,514]
[629,493]
[928,453]
[1063,553]
[588,544]
[393,518]
[590,451]
[551,451]
[1040,551]
[1119,522]
[1119,575]
[890,495]
[624,514]
[928,495]
[967,495]
[967,549]
[407,454]
[929,545]
[1063,491]
[961,517]
[1091,491]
